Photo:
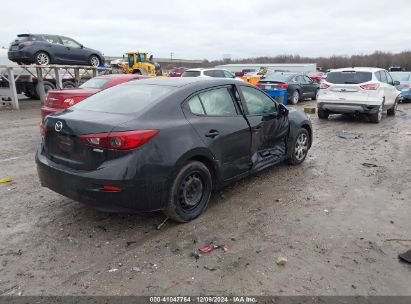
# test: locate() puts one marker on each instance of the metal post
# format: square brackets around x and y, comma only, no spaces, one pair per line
[13,91]
[40,84]
[77,76]
[59,83]
[94,72]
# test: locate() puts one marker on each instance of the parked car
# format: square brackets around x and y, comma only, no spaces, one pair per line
[44,49]
[177,72]
[316,76]
[56,100]
[166,144]
[358,90]
[298,86]
[218,73]
[404,78]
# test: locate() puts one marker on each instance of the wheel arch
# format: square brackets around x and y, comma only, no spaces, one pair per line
[43,51]
[309,130]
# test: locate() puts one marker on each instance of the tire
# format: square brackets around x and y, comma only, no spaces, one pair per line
[137,72]
[316,95]
[183,205]
[42,58]
[376,117]
[47,87]
[68,85]
[295,97]
[322,114]
[393,110]
[94,61]
[300,147]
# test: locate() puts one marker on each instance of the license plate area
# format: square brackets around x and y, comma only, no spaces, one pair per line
[14,47]
[65,143]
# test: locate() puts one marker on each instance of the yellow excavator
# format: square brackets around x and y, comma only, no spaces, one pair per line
[139,63]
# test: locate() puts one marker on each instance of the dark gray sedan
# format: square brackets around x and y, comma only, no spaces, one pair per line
[167,143]
[44,49]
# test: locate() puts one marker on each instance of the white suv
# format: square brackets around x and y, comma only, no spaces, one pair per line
[218,73]
[358,90]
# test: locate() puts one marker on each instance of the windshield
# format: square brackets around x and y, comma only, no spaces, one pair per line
[124,98]
[349,77]
[191,74]
[278,77]
[94,83]
[401,76]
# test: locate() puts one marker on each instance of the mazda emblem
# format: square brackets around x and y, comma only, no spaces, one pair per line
[59,126]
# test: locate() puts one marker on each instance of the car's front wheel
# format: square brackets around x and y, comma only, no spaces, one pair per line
[190,192]
[300,147]
[377,116]
[322,114]
[42,58]
[94,61]
[393,110]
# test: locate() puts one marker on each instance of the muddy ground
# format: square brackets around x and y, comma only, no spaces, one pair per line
[340,225]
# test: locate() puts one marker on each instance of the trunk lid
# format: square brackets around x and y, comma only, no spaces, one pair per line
[62,143]
[61,99]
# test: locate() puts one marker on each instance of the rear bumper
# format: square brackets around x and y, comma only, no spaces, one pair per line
[137,194]
[17,56]
[341,108]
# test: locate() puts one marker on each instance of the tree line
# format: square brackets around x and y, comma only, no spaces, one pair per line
[378,59]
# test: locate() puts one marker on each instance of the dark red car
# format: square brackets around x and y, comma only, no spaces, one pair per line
[56,100]
[316,76]
[177,72]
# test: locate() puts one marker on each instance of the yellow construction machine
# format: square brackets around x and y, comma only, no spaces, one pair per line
[139,63]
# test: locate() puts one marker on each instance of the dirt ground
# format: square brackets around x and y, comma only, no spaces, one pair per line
[340,224]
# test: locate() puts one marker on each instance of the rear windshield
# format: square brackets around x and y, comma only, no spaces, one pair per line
[401,76]
[21,38]
[94,83]
[279,77]
[349,77]
[191,74]
[124,98]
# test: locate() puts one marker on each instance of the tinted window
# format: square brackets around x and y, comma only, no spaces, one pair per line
[279,77]
[191,74]
[94,83]
[52,39]
[70,42]
[124,98]
[257,102]
[383,76]
[388,77]
[219,73]
[378,75]
[227,74]
[218,102]
[195,106]
[210,73]
[349,77]
[307,80]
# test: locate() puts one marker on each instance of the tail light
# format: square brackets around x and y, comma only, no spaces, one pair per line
[119,140]
[111,188]
[71,101]
[370,86]
[282,86]
[404,86]
[43,129]
[25,43]
[324,86]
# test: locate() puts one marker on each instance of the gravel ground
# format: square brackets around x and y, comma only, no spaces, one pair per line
[339,224]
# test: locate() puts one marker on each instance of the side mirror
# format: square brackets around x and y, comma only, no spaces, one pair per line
[396,83]
[282,109]
[81,46]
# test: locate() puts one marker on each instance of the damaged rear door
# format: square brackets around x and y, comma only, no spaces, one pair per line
[269,127]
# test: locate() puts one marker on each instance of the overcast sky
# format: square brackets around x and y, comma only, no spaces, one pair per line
[198,29]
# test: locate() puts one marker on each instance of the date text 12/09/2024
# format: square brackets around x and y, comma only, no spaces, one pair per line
[203,299]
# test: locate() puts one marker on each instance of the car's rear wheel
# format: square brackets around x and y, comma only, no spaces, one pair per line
[393,110]
[377,116]
[42,58]
[295,97]
[300,148]
[94,61]
[322,114]
[317,92]
[190,192]
[69,85]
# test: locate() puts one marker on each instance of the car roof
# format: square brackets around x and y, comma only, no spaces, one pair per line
[358,69]
[122,76]
[187,81]
[208,69]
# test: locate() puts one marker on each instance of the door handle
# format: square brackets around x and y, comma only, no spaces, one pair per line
[212,133]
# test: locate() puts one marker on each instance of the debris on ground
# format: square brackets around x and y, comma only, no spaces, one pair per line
[173,248]
[326,211]
[210,248]
[129,243]
[6,180]
[102,228]
[348,135]
[195,255]
[406,257]
[209,268]
[159,226]
[309,110]
[113,270]
[369,165]
[281,261]
[135,269]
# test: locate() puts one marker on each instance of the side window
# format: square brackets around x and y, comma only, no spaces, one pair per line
[195,106]
[52,39]
[378,75]
[389,78]
[209,73]
[219,74]
[218,102]
[257,102]
[307,80]
[70,42]
[383,77]
[227,74]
